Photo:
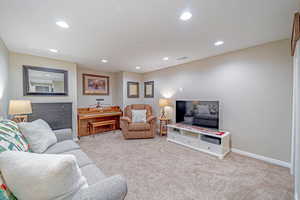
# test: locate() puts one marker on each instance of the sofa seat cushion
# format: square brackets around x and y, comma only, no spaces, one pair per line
[138,126]
[61,147]
[92,174]
[81,157]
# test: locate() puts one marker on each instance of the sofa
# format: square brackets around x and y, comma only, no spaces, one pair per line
[132,130]
[100,187]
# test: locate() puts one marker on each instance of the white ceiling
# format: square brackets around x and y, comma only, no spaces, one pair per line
[130,33]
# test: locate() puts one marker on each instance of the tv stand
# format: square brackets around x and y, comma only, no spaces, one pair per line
[214,142]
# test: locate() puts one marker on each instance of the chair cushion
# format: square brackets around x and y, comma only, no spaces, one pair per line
[138,126]
[92,174]
[61,147]
[11,138]
[81,157]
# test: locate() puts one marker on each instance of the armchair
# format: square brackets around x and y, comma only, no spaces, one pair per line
[132,130]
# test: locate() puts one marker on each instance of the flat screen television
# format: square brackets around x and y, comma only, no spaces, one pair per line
[198,113]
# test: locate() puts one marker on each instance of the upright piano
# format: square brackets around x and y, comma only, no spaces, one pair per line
[88,116]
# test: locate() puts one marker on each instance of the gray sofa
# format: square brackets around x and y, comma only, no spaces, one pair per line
[100,186]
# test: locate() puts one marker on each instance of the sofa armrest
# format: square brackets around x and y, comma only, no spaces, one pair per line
[63,134]
[150,119]
[111,188]
[126,119]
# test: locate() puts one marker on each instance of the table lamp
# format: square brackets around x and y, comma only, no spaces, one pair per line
[163,103]
[19,109]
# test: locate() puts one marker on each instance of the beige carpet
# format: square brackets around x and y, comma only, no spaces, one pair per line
[158,170]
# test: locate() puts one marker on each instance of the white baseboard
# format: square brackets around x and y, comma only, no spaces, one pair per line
[263,158]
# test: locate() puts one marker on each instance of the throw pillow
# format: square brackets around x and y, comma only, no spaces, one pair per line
[38,134]
[32,176]
[11,137]
[139,116]
[5,193]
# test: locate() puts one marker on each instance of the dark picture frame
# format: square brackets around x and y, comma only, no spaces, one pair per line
[85,88]
[26,91]
[295,32]
[149,93]
[133,89]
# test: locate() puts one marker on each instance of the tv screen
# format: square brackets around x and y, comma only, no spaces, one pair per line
[198,113]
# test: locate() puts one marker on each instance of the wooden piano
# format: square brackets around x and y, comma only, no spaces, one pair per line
[98,120]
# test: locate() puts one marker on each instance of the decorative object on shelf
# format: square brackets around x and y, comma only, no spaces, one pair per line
[95,84]
[163,129]
[133,89]
[164,103]
[295,32]
[44,81]
[20,109]
[149,89]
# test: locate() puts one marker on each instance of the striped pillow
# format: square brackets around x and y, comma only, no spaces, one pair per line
[11,138]
[5,193]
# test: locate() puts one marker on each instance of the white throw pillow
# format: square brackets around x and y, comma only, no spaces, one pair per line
[139,116]
[32,176]
[38,134]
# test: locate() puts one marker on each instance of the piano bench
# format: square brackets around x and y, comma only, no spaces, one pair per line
[94,125]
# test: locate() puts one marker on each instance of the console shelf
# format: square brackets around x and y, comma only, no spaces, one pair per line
[205,140]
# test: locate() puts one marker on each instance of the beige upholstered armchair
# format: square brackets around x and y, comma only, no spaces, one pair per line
[132,130]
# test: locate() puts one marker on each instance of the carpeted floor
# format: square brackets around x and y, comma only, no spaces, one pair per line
[158,170]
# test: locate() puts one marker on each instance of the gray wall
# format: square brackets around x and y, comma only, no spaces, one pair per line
[254,87]
[88,100]
[3,79]
[17,60]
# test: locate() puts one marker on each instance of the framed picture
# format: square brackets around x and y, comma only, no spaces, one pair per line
[95,84]
[149,89]
[295,32]
[133,90]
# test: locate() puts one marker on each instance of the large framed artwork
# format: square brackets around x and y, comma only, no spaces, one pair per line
[133,89]
[95,84]
[149,89]
[295,32]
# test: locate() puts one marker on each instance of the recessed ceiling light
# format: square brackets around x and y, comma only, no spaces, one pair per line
[166,58]
[62,24]
[218,43]
[138,67]
[53,50]
[186,16]
[104,60]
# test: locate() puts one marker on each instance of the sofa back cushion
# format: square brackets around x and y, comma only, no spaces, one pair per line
[11,138]
[38,134]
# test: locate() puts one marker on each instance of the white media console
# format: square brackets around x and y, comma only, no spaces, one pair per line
[213,142]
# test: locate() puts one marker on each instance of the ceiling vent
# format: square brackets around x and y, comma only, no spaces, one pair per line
[182,58]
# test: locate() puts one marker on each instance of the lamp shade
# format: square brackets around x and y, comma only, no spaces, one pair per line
[164,102]
[19,107]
